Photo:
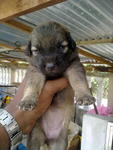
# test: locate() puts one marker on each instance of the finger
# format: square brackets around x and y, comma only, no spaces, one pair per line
[56,85]
[61,84]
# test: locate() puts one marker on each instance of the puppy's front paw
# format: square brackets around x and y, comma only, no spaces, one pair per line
[27,104]
[85,100]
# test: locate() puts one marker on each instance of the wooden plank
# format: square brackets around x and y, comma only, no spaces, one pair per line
[98,58]
[99,69]
[19,25]
[9,58]
[7,46]
[10,47]
[88,62]
[100,41]
[15,63]
[14,8]
[104,69]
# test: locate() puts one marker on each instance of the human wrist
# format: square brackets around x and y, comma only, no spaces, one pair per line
[4,139]
[11,127]
[26,120]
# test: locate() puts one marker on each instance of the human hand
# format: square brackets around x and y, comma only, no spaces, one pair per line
[27,119]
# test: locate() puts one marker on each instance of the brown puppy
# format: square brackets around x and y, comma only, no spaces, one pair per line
[52,53]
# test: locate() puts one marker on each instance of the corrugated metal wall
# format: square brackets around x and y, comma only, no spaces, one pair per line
[86,20]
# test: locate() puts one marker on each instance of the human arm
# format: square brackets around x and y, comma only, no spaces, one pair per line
[27,119]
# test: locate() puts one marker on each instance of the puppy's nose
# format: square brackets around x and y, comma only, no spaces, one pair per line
[50,66]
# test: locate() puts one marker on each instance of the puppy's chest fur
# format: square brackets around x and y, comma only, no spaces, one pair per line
[58,114]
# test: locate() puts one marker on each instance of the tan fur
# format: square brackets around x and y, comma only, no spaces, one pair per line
[51,128]
[35,81]
[77,78]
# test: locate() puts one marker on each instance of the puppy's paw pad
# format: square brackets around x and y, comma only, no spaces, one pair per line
[86,100]
[27,105]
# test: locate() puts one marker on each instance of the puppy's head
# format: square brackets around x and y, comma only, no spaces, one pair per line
[51,49]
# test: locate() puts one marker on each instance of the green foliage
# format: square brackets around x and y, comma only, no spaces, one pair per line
[105,87]
[95,85]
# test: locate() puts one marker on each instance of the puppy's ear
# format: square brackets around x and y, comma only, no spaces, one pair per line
[72,43]
[28,51]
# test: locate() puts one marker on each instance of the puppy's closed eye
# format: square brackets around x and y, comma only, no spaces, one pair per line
[64,45]
[34,50]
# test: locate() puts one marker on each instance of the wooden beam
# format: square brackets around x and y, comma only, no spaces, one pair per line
[104,69]
[14,8]
[93,63]
[98,58]
[99,41]
[10,58]
[10,47]
[99,69]
[19,25]
[7,46]
[13,64]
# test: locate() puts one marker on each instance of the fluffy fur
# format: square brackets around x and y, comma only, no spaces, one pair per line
[52,53]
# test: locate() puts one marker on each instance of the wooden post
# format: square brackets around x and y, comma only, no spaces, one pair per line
[14,8]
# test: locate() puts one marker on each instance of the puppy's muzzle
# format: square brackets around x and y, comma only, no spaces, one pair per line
[49,67]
